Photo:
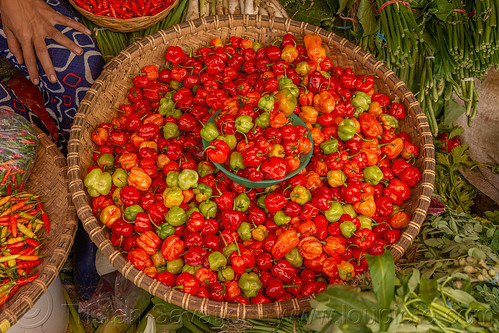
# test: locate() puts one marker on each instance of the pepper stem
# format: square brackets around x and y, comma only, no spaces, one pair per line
[237,245]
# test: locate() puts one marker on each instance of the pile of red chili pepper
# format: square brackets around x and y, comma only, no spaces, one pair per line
[22,216]
[124,9]
[18,149]
[180,221]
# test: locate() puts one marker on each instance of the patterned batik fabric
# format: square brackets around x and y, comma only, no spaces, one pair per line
[75,73]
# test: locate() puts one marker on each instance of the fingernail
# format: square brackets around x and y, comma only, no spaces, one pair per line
[88,32]
[36,81]
[53,78]
[79,51]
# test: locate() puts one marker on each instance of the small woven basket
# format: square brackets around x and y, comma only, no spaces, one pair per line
[109,91]
[49,180]
[124,25]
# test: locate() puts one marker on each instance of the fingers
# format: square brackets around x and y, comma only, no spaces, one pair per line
[60,38]
[64,20]
[30,61]
[44,57]
[14,46]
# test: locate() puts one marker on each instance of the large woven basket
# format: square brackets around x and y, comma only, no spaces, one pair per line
[124,25]
[48,180]
[109,91]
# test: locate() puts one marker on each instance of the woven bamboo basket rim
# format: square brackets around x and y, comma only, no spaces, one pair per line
[49,180]
[124,25]
[202,30]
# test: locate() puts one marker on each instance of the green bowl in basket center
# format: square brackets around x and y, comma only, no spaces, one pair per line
[304,159]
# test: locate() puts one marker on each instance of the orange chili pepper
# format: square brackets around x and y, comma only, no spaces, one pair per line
[286,241]
[315,51]
[139,179]
[309,114]
[278,120]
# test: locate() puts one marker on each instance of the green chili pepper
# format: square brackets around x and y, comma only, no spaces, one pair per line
[172,196]
[360,100]
[98,182]
[285,83]
[236,161]
[281,218]
[329,147]
[333,214]
[210,132]
[119,177]
[229,249]
[217,260]
[347,228]
[365,222]
[172,179]
[208,208]
[244,124]
[176,216]
[188,178]
[373,175]
[132,211]
[244,231]
[346,129]
[266,103]
[203,192]
[106,161]
[242,202]
[191,269]
[226,274]
[263,120]
[164,230]
[170,130]
[165,106]
[300,195]
[388,121]
[348,209]
[175,266]
[250,284]
[294,257]
[229,139]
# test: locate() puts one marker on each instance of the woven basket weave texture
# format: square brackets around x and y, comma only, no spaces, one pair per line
[49,180]
[109,91]
[124,25]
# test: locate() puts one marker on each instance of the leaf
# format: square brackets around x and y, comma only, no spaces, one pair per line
[477,253]
[344,4]
[459,296]
[366,17]
[443,10]
[313,12]
[382,270]
[413,281]
[433,242]
[428,290]
[458,130]
[348,303]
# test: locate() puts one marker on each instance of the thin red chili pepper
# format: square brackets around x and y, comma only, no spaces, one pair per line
[13,225]
[25,281]
[46,222]
[113,12]
[29,251]
[16,245]
[102,12]
[29,264]
[135,8]
[32,242]
[5,177]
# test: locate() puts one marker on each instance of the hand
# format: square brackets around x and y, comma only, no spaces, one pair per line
[26,24]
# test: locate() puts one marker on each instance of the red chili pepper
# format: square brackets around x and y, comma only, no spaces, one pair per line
[29,279]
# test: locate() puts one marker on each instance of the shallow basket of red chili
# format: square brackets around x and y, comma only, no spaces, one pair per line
[124,16]
[304,160]
[110,90]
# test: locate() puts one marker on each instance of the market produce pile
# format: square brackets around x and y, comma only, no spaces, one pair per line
[124,9]
[184,223]
[22,216]
[436,47]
